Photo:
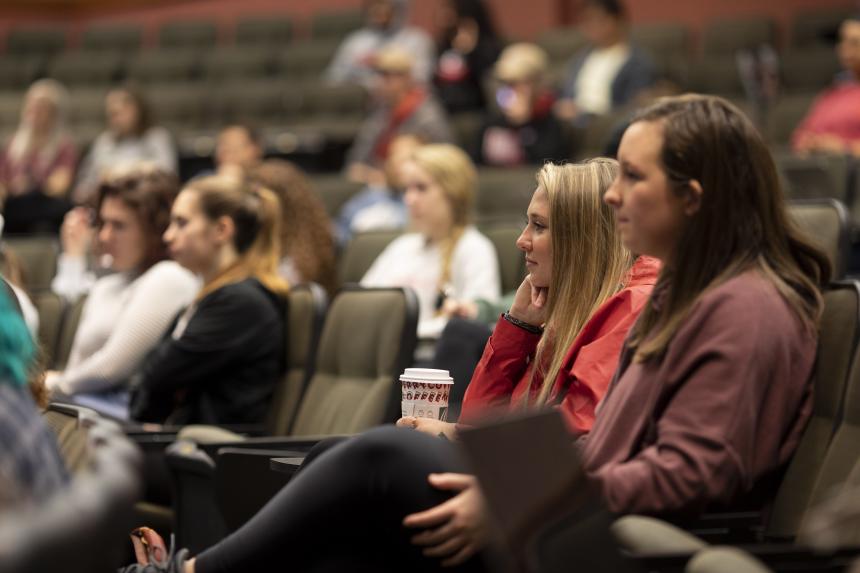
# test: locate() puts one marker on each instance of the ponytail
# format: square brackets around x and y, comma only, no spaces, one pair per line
[255,212]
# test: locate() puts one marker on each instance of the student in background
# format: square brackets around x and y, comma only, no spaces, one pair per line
[445,256]
[128,312]
[131,138]
[37,166]
[221,361]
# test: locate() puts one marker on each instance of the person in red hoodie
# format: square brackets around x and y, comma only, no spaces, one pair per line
[572,323]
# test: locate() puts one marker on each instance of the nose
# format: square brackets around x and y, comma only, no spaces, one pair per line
[105,234]
[612,197]
[167,237]
[409,197]
[524,242]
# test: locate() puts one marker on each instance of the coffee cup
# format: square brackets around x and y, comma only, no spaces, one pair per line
[425,393]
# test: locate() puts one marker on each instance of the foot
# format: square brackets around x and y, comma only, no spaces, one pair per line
[152,554]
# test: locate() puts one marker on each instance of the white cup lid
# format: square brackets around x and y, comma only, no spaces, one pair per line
[428,375]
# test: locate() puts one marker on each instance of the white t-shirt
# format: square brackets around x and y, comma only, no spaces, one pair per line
[594,81]
[123,318]
[410,261]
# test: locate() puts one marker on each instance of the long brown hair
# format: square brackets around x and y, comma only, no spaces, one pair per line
[149,193]
[256,215]
[589,261]
[306,235]
[741,224]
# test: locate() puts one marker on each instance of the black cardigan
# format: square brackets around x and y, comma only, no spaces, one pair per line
[224,367]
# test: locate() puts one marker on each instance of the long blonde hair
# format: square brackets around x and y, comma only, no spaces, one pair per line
[589,262]
[255,212]
[455,173]
[22,141]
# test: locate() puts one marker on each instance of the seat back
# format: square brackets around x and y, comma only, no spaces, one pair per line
[815,176]
[844,449]
[51,308]
[85,526]
[504,194]
[38,258]
[273,31]
[114,38]
[368,339]
[334,191]
[825,221]
[360,253]
[837,347]
[72,436]
[725,37]
[68,328]
[512,262]
[306,307]
[335,25]
[198,35]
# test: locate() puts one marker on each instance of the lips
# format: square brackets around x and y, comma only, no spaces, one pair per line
[530,262]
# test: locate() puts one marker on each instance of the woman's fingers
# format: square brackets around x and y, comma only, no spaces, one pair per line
[461,556]
[430,517]
[450,481]
[449,547]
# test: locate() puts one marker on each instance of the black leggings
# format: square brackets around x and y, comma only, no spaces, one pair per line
[344,511]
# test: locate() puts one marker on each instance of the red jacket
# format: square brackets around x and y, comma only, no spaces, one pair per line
[502,376]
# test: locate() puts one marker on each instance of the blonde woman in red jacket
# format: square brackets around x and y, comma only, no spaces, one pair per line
[572,312]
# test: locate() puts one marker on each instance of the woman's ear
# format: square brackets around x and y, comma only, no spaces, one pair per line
[693,198]
[225,229]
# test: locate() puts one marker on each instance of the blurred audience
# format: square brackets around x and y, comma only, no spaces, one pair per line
[307,242]
[832,124]
[379,206]
[521,129]
[402,106]
[239,149]
[128,312]
[610,72]
[37,165]
[386,26]
[467,49]
[131,137]
[226,352]
[445,256]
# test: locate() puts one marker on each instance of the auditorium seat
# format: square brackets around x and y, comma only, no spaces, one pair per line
[42,41]
[716,74]
[820,176]
[197,35]
[68,328]
[784,116]
[163,66]
[809,70]
[51,308]
[263,102]
[334,26]
[725,37]
[272,32]
[662,40]
[360,253]
[86,69]
[504,194]
[354,387]
[512,262]
[237,64]
[334,190]
[18,72]
[124,38]
[38,257]
[817,28]
[334,111]
[826,223]
[305,61]
[560,44]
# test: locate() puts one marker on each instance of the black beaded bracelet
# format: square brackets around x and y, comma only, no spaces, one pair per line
[524,325]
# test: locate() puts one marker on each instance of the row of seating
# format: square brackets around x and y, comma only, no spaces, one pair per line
[219,65]
[267,30]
